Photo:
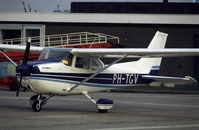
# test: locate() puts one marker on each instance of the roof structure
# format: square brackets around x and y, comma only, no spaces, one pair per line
[192,19]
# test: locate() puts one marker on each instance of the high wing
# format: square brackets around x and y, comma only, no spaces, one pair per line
[20,48]
[113,52]
[135,52]
[123,52]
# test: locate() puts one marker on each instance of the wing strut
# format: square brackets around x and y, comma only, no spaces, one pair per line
[97,72]
[8,58]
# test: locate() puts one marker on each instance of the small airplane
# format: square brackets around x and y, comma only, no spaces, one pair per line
[73,71]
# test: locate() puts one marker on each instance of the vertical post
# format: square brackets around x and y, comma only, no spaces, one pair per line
[1,37]
[105,37]
[23,35]
[86,37]
[80,39]
[98,37]
[42,35]
[67,39]
[48,41]
[61,40]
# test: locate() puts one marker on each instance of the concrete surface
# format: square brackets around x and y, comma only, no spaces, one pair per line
[132,111]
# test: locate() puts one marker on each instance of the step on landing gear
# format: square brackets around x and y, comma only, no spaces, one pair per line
[102,104]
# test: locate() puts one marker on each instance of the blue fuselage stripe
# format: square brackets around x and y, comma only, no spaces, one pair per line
[75,83]
[109,79]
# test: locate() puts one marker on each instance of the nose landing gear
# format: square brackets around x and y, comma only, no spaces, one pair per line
[37,101]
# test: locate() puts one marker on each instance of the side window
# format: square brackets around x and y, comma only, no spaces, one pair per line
[96,64]
[82,62]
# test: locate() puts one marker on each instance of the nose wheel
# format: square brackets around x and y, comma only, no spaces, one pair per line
[36,106]
[37,101]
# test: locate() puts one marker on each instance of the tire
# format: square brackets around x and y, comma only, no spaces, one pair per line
[102,111]
[36,106]
[34,98]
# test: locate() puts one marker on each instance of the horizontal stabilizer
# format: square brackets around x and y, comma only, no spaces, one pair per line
[174,80]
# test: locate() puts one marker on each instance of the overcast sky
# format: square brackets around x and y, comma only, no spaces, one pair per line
[50,5]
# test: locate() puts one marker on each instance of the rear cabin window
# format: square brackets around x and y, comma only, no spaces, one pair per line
[88,63]
[82,63]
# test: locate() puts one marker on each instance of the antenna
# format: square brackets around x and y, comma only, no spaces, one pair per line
[29,8]
[58,10]
[24,6]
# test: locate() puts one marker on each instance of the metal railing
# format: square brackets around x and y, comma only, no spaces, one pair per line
[68,39]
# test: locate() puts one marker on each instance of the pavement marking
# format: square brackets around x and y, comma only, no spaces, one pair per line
[14,98]
[58,117]
[151,127]
[158,104]
[182,96]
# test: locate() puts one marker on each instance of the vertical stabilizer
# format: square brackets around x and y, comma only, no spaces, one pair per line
[148,65]
[159,40]
[152,65]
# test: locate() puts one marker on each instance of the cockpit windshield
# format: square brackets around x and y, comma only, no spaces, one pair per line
[54,54]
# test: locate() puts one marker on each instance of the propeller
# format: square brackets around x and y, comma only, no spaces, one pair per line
[23,68]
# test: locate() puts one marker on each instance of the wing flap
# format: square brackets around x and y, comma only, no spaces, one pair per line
[174,80]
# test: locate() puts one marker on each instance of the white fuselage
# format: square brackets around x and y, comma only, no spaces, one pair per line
[58,78]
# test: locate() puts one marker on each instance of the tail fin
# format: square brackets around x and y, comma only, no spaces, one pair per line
[152,65]
[148,65]
[159,40]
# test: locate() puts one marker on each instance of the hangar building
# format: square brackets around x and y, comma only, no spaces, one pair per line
[132,22]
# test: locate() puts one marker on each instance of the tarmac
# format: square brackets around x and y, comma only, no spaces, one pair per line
[132,111]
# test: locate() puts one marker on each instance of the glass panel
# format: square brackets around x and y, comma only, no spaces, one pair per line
[55,54]
[96,64]
[82,62]
[33,33]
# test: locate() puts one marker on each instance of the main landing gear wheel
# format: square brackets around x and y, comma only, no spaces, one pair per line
[102,104]
[36,106]
[102,111]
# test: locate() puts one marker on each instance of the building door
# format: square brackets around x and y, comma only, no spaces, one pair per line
[10,31]
[34,30]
